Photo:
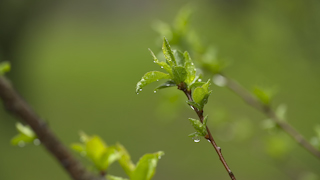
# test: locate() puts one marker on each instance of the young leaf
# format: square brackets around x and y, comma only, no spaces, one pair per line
[179,74]
[4,67]
[183,18]
[162,64]
[196,84]
[21,138]
[125,160]
[150,77]
[95,148]
[26,130]
[194,134]
[191,70]
[264,95]
[179,57]
[108,157]
[26,135]
[146,166]
[194,104]
[201,94]
[205,120]
[168,54]
[198,126]
[80,148]
[165,85]
[110,177]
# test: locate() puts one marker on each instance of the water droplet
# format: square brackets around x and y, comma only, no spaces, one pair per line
[199,80]
[155,91]
[219,80]
[157,79]
[192,107]
[161,67]
[196,139]
[21,143]
[36,142]
[140,89]
[154,61]
[209,140]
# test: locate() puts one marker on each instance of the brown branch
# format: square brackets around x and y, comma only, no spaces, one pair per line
[252,101]
[18,107]
[208,136]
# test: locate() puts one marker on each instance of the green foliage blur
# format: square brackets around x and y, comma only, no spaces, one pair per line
[77,64]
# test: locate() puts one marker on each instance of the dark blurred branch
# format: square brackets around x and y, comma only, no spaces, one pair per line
[18,107]
[252,101]
[209,137]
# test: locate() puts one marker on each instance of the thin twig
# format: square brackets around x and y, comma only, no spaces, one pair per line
[208,136]
[252,101]
[18,107]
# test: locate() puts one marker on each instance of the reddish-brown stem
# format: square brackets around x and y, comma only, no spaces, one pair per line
[209,135]
[18,107]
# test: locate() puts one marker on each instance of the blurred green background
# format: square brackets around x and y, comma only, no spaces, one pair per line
[77,63]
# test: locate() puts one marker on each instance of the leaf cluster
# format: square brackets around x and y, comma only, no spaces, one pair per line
[102,156]
[180,72]
[25,135]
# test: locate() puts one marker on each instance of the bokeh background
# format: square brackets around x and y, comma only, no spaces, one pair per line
[77,63]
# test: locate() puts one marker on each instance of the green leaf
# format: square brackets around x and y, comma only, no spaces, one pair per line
[26,130]
[80,148]
[191,70]
[196,84]
[108,157]
[168,54]
[198,126]
[201,94]
[26,135]
[125,160]
[183,18]
[179,57]
[162,64]
[194,104]
[95,148]
[205,120]
[21,138]
[264,95]
[146,166]
[150,77]
[110,177]
[194,134]
[165,85]
[4,67]
[179,74]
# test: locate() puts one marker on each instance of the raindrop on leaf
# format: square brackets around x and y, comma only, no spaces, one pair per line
[196,139]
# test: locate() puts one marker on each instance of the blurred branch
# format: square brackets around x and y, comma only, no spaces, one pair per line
[17,106]
[208,136]
[253,102]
